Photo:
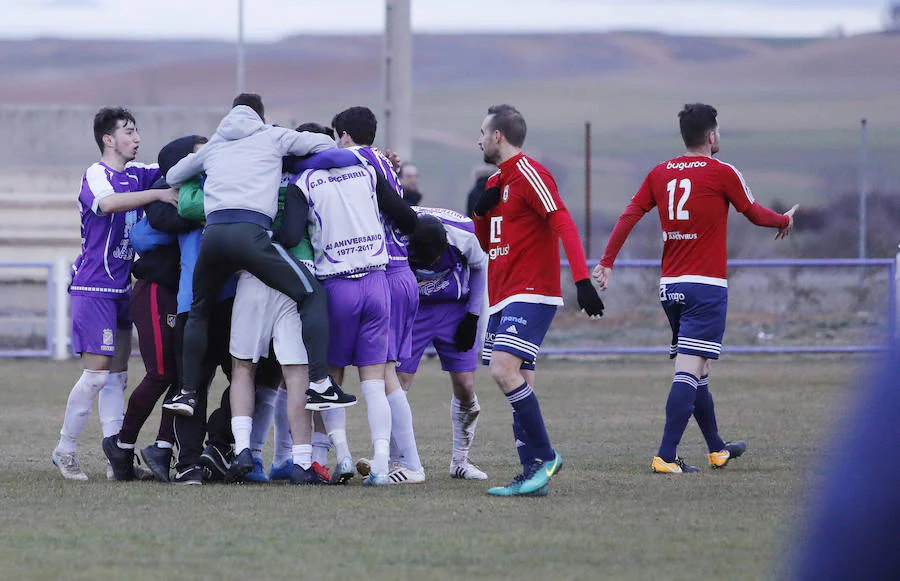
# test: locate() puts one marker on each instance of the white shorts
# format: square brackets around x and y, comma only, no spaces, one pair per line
[261,315]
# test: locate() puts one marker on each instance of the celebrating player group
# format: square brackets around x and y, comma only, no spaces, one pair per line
[282,256]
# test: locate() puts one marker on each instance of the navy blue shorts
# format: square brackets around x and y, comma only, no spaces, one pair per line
[518,329]
[696,313]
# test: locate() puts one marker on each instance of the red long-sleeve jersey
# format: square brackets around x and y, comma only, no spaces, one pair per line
[521,236]
[692,194]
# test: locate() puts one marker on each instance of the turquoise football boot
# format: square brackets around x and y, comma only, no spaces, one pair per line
[538,474]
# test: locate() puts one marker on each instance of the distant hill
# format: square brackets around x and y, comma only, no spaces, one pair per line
[789,108]
[201,73]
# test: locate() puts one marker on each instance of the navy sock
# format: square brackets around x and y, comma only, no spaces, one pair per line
[523,446]
[679,408]
[528,415]
[705,414]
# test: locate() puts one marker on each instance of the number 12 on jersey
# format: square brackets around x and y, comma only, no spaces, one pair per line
[685,186]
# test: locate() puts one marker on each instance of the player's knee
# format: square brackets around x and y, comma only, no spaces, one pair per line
[503,371]
[463,382]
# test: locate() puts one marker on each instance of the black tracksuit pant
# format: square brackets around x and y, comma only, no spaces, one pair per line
[229,247]
[190,430]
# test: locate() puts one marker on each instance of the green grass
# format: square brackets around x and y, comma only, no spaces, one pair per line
[607,516]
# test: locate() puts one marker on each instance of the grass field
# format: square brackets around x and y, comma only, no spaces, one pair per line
[607,516]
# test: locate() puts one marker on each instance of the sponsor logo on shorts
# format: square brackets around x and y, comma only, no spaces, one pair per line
[675,297]
[511,319]
[108,338]
[512,329]
[170,320]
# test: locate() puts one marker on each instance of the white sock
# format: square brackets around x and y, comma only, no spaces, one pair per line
[402,430]
[395,450]
[241,427]
[381,455]
[283,440]
[78,407]
[321,443]
[320,386]
[302,454]
[379,411]
[335,421]
[464,420]
[112,403]
[263,414]
[163,444]
[124,446]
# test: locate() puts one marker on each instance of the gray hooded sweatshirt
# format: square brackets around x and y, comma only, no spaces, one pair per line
[242,162]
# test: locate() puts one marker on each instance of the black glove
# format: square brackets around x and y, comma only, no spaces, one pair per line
[464,338]
[588,299]
[489,198]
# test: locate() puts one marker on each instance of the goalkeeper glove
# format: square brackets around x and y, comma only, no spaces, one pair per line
[489,198]
[588,299]
[464,338]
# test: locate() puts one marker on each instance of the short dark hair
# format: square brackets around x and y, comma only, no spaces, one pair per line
[508,121]
[313,127]
[107,120]
[252,100]
[359,123]
[696,120]
[428,241]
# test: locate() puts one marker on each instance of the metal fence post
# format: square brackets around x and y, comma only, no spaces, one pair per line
[60,309]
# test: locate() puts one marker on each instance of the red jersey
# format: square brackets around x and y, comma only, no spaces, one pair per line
[521,236]
[692,195]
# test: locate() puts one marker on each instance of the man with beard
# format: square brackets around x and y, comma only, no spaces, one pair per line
[519,221]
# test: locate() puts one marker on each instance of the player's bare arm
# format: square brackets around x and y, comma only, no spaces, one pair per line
[130,200]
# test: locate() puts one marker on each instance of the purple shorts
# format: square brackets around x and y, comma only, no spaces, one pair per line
[359,318]
[95,321]
[404,292]
[436,323]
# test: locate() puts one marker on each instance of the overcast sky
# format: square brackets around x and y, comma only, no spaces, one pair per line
[271,20]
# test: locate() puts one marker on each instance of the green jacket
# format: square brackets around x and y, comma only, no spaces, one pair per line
[190,207]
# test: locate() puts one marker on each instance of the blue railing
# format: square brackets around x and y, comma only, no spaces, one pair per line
[888,263]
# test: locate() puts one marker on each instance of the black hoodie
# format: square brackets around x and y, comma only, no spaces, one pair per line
[162,264]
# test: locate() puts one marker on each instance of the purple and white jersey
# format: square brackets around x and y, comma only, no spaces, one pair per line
[104,266]
[344,222]
[395,240]
[452,277]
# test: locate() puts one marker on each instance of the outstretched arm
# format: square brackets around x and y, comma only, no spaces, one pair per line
[328,159]
[185,169]
[131,200]
[762,216]
[631,216]
[738,193]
